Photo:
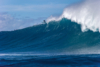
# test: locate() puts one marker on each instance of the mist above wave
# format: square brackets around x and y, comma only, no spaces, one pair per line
[86,13]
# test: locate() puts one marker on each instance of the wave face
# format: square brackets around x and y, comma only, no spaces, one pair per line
[86,13]
[56,37]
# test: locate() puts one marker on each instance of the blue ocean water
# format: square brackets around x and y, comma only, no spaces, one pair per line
[56,44]
[51,61]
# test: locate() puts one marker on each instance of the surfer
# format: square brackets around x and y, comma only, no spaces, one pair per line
[44,22]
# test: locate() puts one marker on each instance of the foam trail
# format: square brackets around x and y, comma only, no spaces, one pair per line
[86,13]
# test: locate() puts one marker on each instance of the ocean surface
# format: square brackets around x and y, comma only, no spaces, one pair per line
[51,61]
[54,44]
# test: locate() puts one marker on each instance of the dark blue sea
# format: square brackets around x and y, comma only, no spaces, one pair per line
[53,44]
[51,61]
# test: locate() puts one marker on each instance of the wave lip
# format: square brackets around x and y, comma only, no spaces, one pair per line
[86,13]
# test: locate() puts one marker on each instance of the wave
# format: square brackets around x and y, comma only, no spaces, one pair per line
[56,37]
[86,13]
[76,31]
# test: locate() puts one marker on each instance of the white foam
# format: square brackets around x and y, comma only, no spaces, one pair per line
[86,13]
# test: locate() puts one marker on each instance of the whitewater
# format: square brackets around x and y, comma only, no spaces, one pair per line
[86,13]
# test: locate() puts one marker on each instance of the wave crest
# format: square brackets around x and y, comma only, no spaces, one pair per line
[86,13]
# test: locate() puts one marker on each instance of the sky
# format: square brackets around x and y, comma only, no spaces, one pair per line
[19,14]
[34,8]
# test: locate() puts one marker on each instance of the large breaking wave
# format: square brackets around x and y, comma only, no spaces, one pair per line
[60,35]
[56,37]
